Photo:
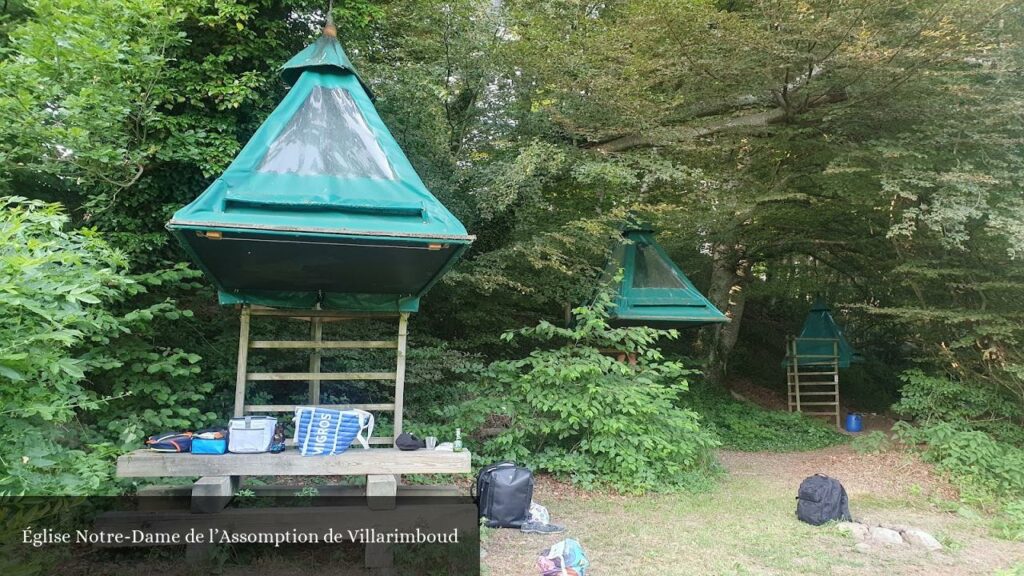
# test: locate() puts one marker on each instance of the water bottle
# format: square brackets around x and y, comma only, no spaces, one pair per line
[457,445]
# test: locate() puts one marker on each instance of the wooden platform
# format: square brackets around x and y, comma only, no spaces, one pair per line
[353,462]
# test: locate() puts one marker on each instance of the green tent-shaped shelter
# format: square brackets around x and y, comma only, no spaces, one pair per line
[654,291]
[321,206]
[821,337]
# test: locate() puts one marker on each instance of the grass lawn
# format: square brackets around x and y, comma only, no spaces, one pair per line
[746,524]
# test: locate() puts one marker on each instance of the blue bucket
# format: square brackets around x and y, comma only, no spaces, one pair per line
[853,422]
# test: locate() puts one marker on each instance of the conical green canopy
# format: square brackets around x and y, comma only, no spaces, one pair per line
[817,336]
[321,206]
[654,291]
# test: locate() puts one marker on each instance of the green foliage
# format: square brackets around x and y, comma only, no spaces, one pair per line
[984,468]
[747,427]
[1011,525]
[934,399]
[578,413]
[56,118]
[989,473]
[871,443]
[73,365]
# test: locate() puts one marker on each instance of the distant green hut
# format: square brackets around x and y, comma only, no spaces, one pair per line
[654,291]
[813,359]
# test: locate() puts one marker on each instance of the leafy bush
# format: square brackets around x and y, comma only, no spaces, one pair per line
[871,443]
[578,413]
[983,467]
[1011,525]
[79,379]
[971,431]
[747,427]
[939,399]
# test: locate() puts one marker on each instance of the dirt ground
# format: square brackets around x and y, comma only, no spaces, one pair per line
[746,525]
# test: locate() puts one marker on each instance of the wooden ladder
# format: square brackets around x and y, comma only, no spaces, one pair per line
[813,379]
[316,345]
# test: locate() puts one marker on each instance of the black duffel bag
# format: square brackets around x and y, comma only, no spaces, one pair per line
[503,495]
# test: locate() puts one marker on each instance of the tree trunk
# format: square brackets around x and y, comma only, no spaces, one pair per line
[729,278]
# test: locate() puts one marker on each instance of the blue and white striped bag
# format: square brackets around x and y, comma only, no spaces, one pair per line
[324,431]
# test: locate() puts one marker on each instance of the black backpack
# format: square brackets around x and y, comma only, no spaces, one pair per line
[503,495]
[822,499]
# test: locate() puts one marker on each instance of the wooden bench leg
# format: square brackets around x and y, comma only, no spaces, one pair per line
[210,494]
[381,490]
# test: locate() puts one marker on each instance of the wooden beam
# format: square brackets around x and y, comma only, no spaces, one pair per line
[283,376]
[403,330]
[286,490]
[292,407]
[316,333]
[334,314]
[356,461]
[243,362]
[324,345]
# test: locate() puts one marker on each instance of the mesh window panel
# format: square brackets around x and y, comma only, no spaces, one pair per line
[328,136]
[651,271]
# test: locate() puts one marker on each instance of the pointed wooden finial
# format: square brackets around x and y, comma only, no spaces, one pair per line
[329,28]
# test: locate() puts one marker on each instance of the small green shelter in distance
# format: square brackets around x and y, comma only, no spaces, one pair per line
[654,291]
[821,337]
[321,207]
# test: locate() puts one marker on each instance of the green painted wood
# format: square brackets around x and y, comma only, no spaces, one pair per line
[653,290]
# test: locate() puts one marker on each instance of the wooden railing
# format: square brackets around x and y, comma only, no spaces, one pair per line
[316,344]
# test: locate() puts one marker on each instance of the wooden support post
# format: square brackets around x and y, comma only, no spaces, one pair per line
[211,494]
[796,375]
[243,363]
[381,490]
[164,497]
[316,334]
[835,378]
[198,553]
[403,331]
[380,558]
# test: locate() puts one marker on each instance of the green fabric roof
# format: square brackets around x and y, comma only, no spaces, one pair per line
[817,336]
[654,291]
[325,55]
[321,206]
